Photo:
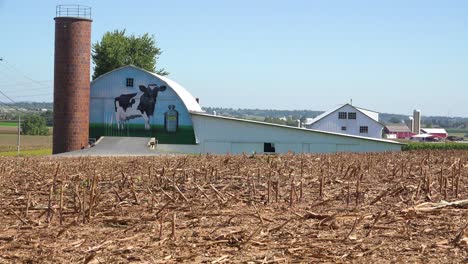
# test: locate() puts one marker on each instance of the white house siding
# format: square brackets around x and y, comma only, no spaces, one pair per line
[331,123]
[220,135]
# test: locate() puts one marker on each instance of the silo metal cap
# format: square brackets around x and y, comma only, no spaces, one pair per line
[73,11]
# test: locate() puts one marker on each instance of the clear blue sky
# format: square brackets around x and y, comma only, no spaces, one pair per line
[388,56]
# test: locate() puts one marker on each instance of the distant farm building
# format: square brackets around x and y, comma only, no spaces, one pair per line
[350,120]
[424,138]
[436,132]
[132,102]
[399,131]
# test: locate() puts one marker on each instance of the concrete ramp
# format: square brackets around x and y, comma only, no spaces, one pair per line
[117,146]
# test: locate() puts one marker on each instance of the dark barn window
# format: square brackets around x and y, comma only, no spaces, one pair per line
[343,128]
[352,115]
[363,129]
[341,115]
[268,147]
[129,82]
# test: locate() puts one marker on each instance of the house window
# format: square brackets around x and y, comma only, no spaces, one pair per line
[352,115]
[343,128]
[342,115]
[364,129]
[268,147]
[129,82]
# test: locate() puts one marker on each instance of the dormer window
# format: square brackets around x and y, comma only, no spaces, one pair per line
[129,82]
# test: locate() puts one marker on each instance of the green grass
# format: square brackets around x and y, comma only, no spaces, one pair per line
[458,134]
[8,123]
[439,146]
[184,135]
[27,153]
[456,130]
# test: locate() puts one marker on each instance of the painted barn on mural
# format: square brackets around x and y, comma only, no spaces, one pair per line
[132,102]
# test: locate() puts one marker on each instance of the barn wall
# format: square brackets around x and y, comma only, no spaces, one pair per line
[103,120]
[331,123]
[220,135]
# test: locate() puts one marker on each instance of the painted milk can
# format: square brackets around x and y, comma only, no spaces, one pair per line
[171,119]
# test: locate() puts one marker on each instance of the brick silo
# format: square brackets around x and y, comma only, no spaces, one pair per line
[71,78]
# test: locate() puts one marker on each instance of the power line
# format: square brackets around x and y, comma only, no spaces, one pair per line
[7,105]
[7,96]
[10,66]
[32,89]
[25,83]
[22,96]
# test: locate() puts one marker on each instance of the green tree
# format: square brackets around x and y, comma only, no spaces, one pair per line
[394,120]
[49,117]
[117,49]
[34,125]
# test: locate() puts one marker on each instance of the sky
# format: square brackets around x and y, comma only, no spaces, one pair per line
[388,56]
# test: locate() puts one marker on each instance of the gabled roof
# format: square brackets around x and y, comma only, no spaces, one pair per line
[297,128]
[188,100]
[329,112]
[434,130]
[395,128]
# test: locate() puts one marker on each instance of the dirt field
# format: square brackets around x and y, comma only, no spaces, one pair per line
[8,130]
[8,142]
[365,208]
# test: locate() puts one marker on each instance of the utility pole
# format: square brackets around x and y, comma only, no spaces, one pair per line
[18,141]
[19,134]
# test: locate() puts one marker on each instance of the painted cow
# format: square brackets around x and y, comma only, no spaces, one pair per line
[134,105]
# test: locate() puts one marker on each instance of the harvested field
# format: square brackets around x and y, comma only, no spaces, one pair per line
[389,207]
[8,142]
[8,130]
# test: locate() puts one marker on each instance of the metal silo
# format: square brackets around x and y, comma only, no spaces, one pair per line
[410,123]
[416,121]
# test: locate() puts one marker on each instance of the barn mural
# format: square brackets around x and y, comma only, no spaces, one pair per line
[135,103]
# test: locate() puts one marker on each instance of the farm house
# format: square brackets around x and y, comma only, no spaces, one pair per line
[350,120]
[132,102]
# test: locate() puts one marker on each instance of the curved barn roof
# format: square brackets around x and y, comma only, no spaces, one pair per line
[189,101]
[187,98]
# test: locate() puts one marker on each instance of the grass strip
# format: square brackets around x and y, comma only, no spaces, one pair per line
[27,153]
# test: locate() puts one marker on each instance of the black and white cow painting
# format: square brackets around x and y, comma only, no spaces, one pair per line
[134,105]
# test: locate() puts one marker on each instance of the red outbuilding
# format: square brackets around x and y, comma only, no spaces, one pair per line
[398,130]
[437,132]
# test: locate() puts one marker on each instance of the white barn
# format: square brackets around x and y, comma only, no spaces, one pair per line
[218,134]
[350,120]
[179,124]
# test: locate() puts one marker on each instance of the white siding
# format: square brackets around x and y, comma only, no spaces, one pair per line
[222,135]
[332,123]
[246,147]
